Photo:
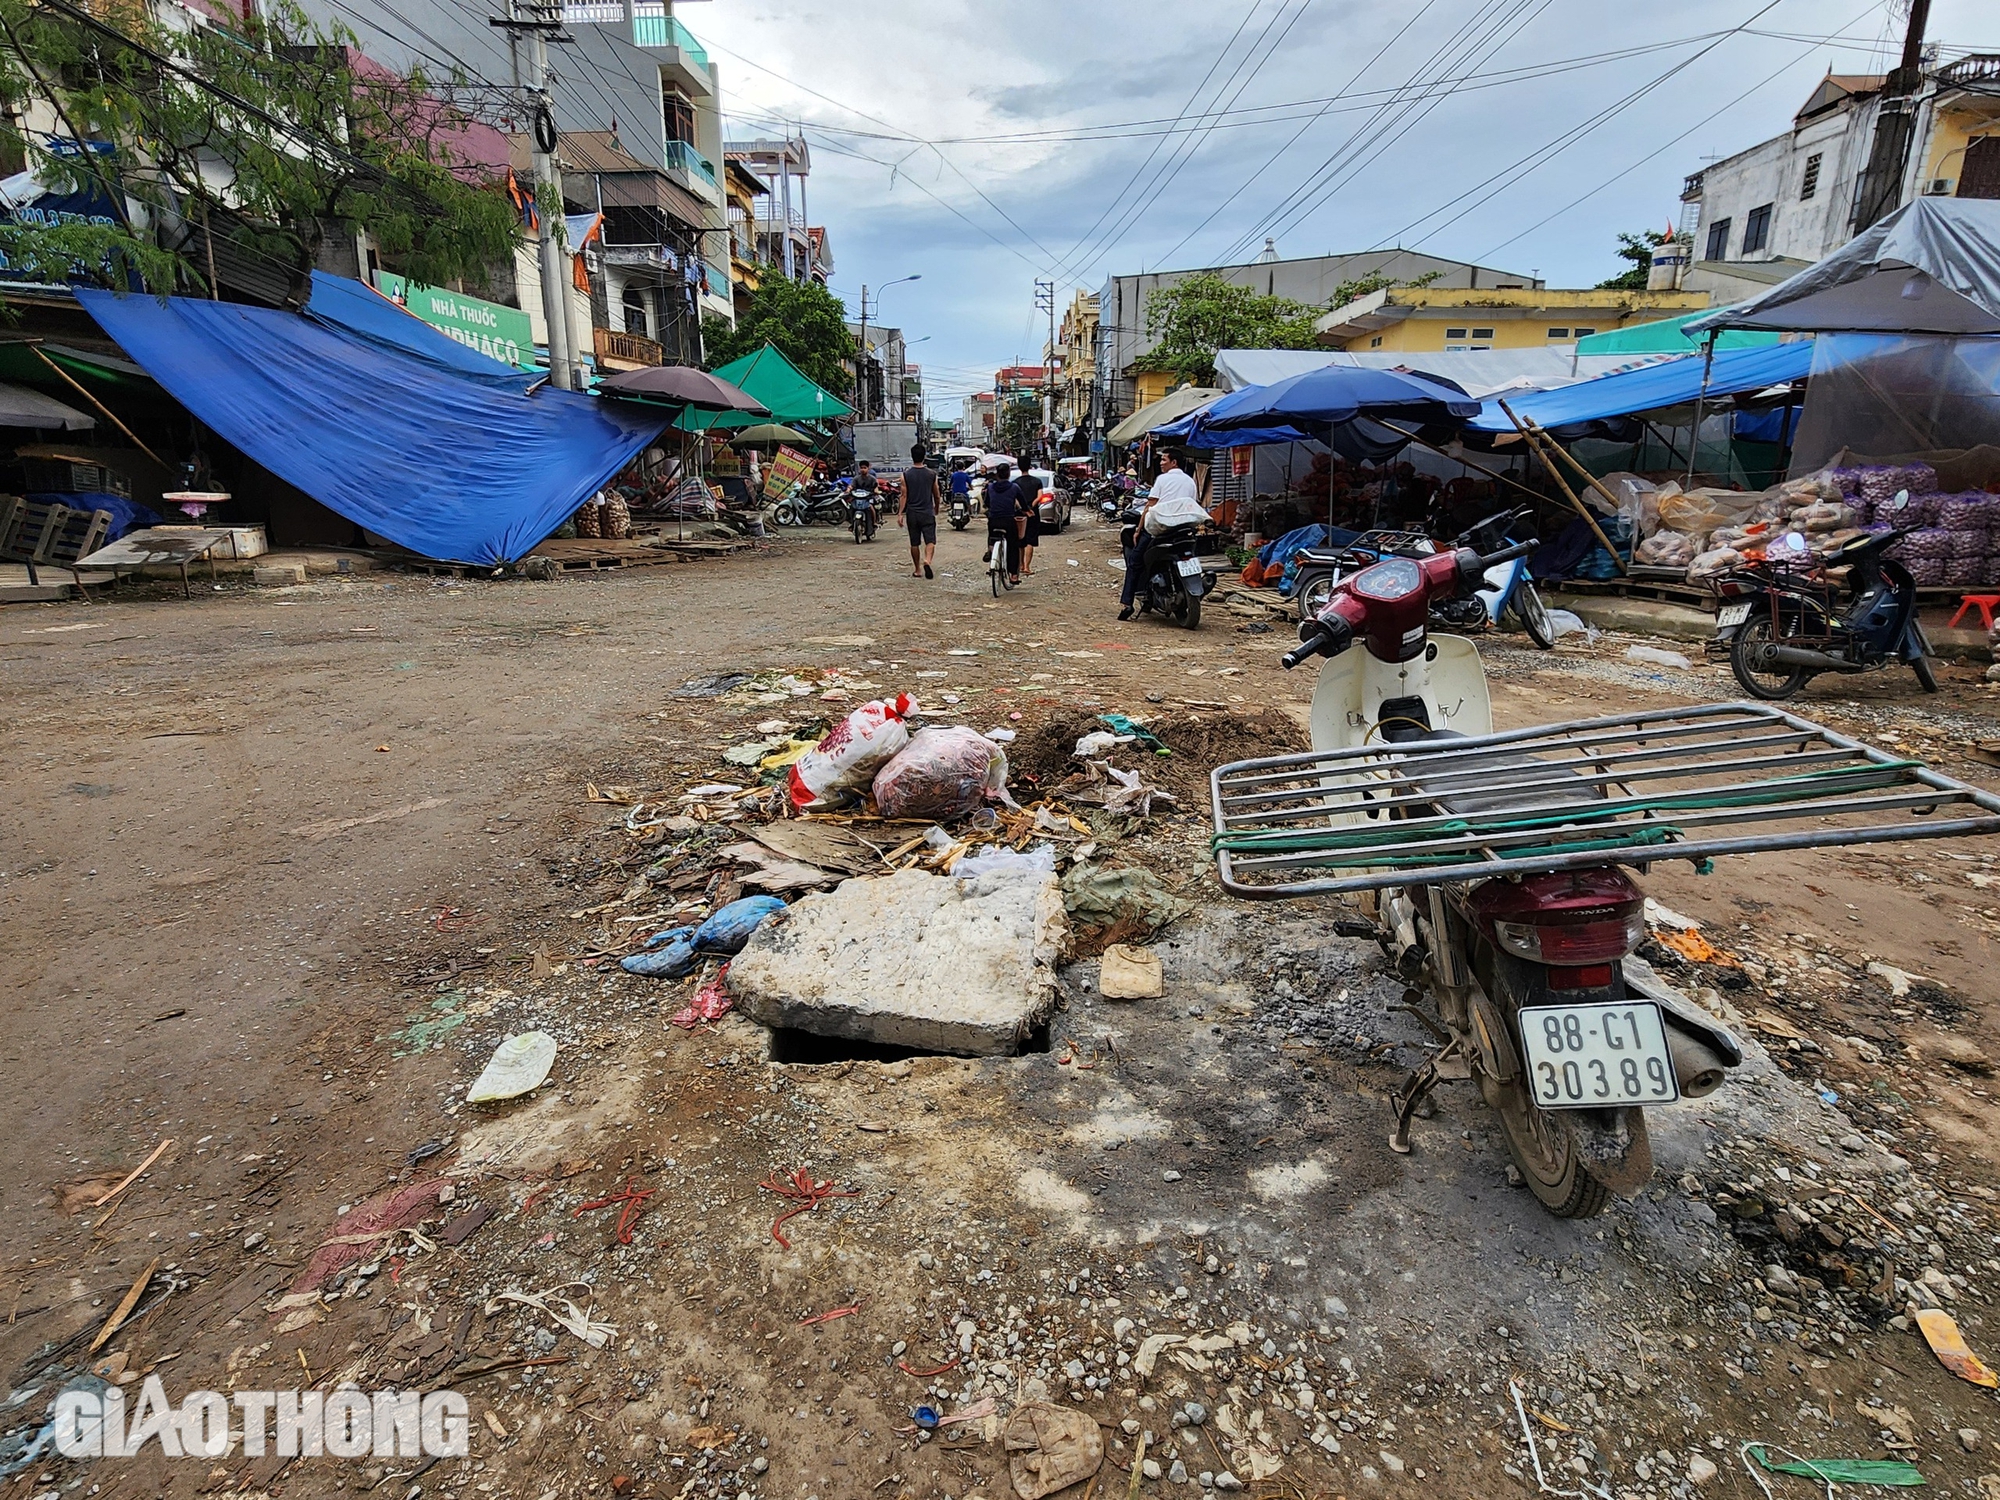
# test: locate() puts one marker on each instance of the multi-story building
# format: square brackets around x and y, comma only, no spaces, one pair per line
[628,73]
[1073,357]
[1314,280]
[745,191]
[879,368]
[788,240]
[976,420]
[1757,217]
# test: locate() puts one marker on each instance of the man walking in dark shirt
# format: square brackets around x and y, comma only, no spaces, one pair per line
[918,513]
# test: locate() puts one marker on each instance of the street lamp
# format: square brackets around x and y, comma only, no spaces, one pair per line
[861,360]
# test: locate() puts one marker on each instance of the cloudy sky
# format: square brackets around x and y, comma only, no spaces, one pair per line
[984,145]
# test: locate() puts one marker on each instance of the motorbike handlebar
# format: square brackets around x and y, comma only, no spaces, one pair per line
[1319,637]
[1508,554]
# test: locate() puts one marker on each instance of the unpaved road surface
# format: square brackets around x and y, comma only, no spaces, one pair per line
[281,868]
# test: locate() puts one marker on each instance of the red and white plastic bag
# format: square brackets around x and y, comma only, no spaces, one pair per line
[847,759]
[942,773]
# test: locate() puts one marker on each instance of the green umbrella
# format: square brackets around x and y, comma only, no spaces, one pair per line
[767,433]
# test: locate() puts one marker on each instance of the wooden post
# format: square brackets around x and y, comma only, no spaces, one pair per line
[103,408]
[1535,437]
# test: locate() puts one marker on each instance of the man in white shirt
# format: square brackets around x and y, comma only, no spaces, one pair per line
[1171,504]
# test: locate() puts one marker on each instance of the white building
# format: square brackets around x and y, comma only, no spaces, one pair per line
[1757,217]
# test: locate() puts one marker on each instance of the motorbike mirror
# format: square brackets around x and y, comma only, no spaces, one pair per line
[1902,499]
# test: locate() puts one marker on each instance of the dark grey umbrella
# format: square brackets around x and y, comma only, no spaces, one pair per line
[682,385]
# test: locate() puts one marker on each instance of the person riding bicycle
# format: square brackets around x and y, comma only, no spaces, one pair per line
[1003,499]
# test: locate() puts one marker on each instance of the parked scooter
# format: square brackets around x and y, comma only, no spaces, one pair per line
[1533,998]
[1176,578]
[1782,622]
[1505,594]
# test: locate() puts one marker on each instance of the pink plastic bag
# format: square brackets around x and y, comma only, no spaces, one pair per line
[853,750]
[942,773]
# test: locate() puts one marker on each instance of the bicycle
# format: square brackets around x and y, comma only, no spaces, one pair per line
[996,564]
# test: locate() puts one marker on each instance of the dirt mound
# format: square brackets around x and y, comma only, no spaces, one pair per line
[1200,741]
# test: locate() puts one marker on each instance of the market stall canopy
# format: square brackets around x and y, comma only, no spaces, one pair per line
[1188,432]
[1673,382]
[684,386]
[1932,266]
[21,407]
[1665,336]
[350,306]
[780,385]
[1337,394]
[452,467]
[1477,371]
[1174,404]
[766,434]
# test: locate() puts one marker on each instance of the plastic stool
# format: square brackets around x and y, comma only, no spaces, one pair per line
[1984,603]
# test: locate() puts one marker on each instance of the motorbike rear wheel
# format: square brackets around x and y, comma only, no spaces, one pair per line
[1545,1149]
[1926,674]
[1314,590]
[1752,634]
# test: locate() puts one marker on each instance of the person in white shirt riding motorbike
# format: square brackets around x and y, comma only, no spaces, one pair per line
[1171,504]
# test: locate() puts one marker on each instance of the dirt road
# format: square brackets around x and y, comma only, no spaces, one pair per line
[282,867]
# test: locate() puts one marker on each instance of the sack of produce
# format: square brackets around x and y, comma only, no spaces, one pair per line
[1710,563]
[847,759]
[942,773]
[1666,549]
[1846,480]
[1823,515]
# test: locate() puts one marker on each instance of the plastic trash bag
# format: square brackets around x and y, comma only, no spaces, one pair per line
[1040,860]
[680,950]
[1564,622]
[519,1066]
[851,752]
[943,772]
[1656,657]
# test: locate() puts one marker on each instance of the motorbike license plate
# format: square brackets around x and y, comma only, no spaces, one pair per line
[1598,1056]
[1732,614]
[1187,567]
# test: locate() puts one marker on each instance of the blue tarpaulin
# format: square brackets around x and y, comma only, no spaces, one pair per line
[344,303]
[450,466]
[1671,382]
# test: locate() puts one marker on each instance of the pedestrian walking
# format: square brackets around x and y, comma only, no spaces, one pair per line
[1003,498]
[918,512]
[1030,503]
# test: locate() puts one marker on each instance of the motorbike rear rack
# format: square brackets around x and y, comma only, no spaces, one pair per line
[1631,789]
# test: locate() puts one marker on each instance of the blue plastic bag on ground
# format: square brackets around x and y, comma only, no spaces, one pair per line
[680,950]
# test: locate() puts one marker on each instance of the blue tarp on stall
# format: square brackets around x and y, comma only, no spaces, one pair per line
[1672,382]
[344,303]
[451,466]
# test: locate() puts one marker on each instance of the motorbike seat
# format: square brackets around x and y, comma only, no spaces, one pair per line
[1466,799]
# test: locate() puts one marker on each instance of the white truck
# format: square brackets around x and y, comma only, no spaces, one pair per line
[886,445]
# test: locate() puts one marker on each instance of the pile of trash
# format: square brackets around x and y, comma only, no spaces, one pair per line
[734,883]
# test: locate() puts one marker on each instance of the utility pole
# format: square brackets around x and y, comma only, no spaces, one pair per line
[861,359]
[540,26]
[1045,300]
[1881,186]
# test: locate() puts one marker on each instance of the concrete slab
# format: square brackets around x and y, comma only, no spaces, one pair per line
[912,960]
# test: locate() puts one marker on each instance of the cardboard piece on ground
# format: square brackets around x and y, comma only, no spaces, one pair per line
[1050,1448]
[1130,973]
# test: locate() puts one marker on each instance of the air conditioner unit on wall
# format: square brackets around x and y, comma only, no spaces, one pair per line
[1938,187]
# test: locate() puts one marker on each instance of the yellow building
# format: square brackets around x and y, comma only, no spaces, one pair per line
[1150,385]
[742,188]
[1424,320]
[1964,156]
[1074,358]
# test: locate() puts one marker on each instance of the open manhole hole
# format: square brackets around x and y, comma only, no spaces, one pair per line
[799,1048]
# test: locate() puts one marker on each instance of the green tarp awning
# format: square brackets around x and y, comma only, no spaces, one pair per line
[1663,337]
[779,384]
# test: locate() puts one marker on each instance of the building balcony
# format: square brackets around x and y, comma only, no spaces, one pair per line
[685,59]
[1691,188]
[693,171]
[1974,68]
[626,351]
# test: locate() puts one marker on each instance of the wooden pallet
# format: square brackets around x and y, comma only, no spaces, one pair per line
[1659,590]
